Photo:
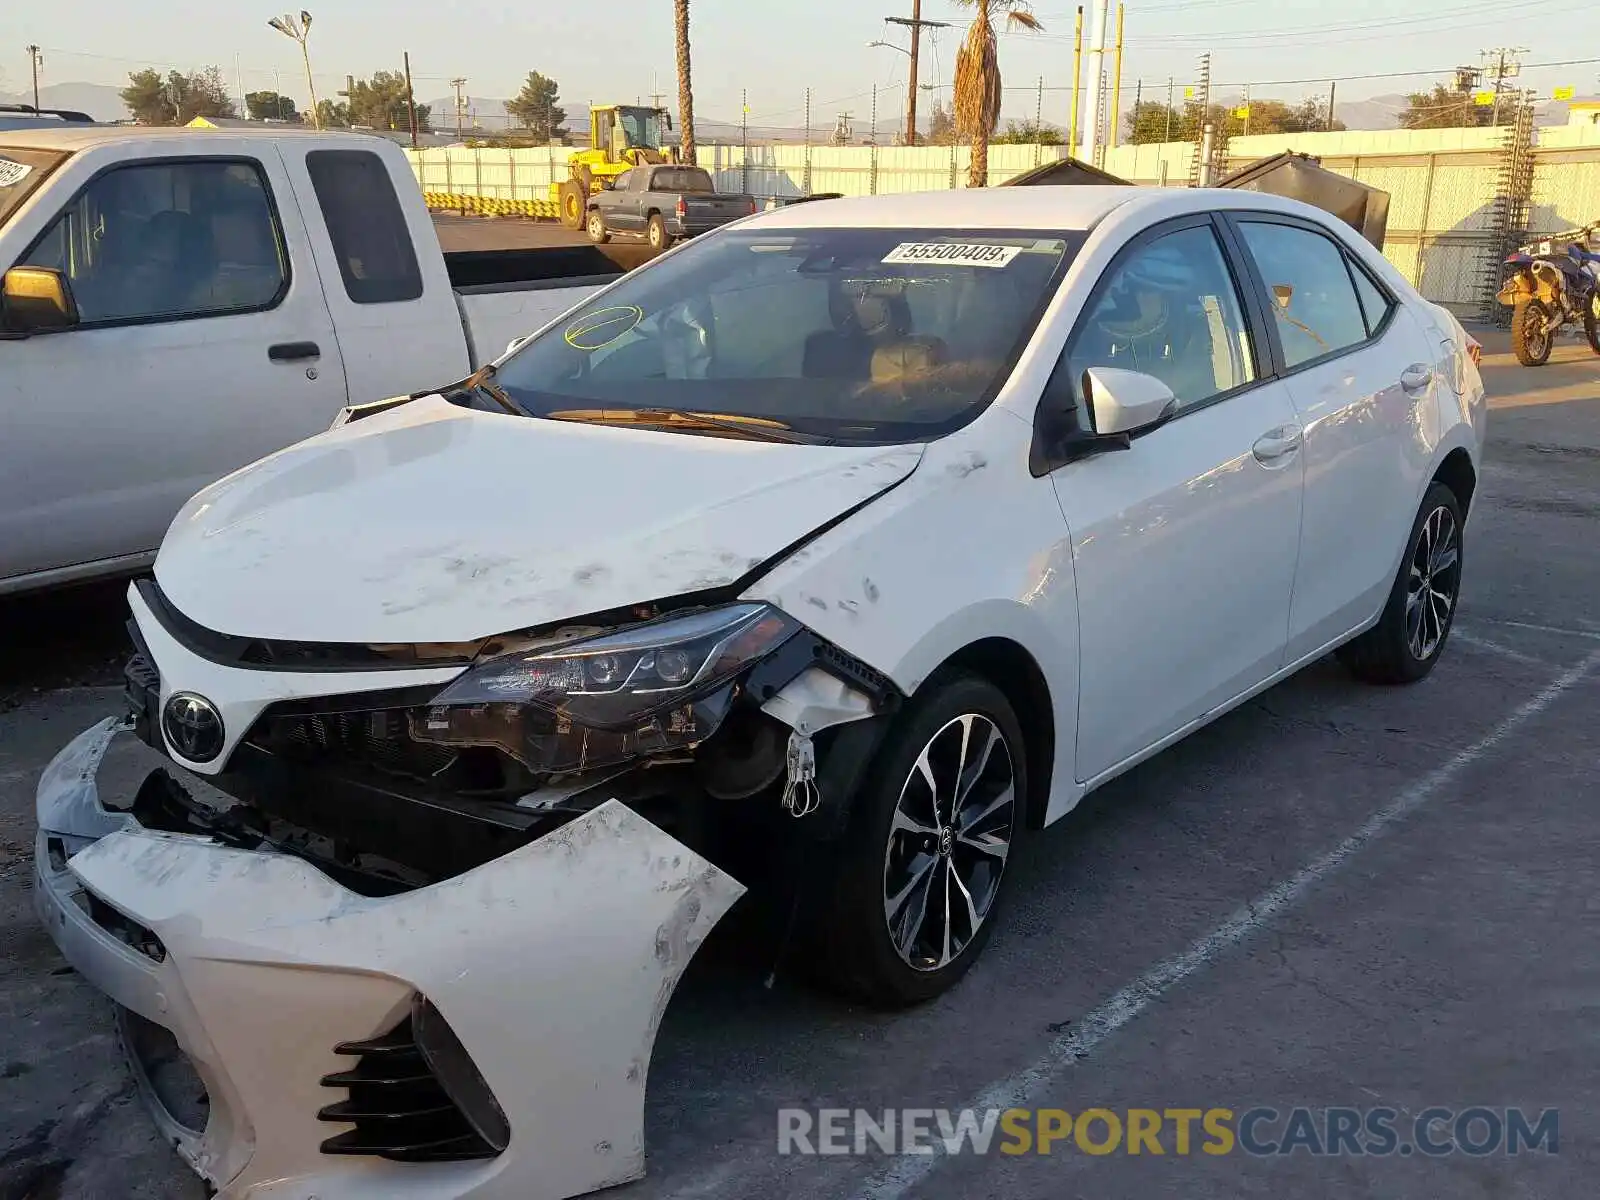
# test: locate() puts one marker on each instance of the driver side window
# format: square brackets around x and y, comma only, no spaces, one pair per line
[168,241]
[1168,309]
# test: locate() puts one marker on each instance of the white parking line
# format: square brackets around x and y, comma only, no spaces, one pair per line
[1592,634]
[1133,999]
[1488,644]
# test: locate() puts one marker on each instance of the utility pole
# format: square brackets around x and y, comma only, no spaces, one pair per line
[35,59]
[1093,119]
[461,104]
[411,101]
[1333,85]
[915,23]
[1168,136]
[1116,89]
[1077,79]
[1508,65]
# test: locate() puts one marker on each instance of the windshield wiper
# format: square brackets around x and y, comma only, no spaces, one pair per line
[483,382]
[761,428]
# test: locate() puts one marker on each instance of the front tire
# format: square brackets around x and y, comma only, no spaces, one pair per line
[573,201]
[1591,323]
[598,234]
[657,234]
[918,881]
[1531,335]
[1409,638]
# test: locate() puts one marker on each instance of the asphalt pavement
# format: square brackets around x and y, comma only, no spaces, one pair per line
[1338,897]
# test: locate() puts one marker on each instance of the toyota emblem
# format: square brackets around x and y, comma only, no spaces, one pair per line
[193,727]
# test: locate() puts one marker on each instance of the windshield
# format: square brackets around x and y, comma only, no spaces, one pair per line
[21,171]
[642,127]
[855,335]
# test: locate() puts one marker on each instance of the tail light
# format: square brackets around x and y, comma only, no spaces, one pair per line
[1474,350]
[683,208]
[753,209]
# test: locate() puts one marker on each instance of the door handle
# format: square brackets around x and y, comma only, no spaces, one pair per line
[1275,446]
[1415,379]
[293,351]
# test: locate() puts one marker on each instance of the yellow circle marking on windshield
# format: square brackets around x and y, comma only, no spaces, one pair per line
[596,330]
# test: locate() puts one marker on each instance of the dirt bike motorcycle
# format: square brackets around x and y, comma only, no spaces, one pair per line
[1549,290]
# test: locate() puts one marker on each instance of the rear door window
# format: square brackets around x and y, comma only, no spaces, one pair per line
[1310,290]
[683,179]
[371,240]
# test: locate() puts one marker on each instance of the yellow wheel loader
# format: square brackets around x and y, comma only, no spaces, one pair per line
[621,137]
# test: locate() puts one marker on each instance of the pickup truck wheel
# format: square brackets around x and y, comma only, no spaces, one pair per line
[597,227]
[659,238]
[1409,638]
[573,202]
[919,876]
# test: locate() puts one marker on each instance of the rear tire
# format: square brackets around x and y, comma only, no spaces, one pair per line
[1409,638]
[941,813]
[1591,323]
[1531,336]
[657,233]
[598,233]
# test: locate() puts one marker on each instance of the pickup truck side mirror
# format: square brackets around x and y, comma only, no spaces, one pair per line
[37,300]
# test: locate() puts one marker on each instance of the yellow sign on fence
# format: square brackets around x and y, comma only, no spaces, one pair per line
[1561,93]
[1242,112]
[1483,99]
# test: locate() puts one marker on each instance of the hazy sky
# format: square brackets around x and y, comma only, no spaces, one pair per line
[618,50]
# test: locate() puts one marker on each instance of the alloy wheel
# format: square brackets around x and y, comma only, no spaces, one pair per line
[1432,584]
[949,841]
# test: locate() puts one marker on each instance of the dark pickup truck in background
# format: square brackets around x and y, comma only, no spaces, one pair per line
[663,204]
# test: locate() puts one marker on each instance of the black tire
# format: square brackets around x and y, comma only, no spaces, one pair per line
[573,203]
[598,233]
[657,233]
[1591,323]
[1391,652]
[855,951]
[1531,336]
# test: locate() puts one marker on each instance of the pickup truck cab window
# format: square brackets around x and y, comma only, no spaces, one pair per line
[376,258]
[1170,309]
[168,240]
[682,179]
[856,335]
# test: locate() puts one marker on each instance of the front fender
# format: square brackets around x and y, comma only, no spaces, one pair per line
[969,547]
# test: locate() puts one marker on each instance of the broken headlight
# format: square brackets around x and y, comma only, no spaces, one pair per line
[649,689]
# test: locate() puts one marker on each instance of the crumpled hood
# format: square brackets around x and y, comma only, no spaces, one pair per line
[435,523]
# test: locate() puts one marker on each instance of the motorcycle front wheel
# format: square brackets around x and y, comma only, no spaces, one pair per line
[1531,334]
[1591,323]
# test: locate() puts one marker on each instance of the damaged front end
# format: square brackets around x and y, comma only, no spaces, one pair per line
[416,940]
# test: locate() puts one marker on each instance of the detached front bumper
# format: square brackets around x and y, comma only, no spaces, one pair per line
[551,966]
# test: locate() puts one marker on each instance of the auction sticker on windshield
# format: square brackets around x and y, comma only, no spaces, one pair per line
[12,172]
[953,253]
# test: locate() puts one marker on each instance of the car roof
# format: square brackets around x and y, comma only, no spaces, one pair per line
[72,138]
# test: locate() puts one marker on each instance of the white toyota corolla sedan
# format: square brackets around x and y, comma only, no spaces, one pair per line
[837,549]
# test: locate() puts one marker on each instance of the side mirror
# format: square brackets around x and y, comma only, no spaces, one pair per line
[37,300]
[1126,402]
[668,116]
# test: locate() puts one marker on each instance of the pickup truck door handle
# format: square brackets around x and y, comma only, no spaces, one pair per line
[293,351]
[1414,380]
[1275,447]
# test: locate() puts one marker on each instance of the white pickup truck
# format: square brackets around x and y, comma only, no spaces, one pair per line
[178,303]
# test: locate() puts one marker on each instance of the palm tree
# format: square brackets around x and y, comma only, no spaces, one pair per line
[977,98]
[685,86]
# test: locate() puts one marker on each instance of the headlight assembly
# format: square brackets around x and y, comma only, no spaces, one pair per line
[651,688]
